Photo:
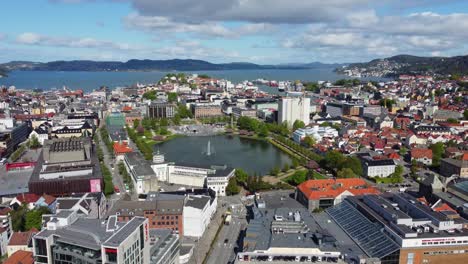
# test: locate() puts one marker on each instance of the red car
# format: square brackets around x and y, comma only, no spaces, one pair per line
[116,189]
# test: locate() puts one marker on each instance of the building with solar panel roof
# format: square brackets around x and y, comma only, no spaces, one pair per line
[399,228]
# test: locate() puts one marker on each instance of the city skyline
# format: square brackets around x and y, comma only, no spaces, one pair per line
[264,32]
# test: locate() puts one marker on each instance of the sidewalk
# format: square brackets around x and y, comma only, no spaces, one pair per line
[203,245]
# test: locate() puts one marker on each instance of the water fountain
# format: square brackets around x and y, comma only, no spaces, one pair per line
[209,150]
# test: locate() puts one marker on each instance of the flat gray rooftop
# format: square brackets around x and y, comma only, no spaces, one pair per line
[14,182]
[124,232]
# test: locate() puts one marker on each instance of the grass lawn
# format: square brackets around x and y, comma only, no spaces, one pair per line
[318,176]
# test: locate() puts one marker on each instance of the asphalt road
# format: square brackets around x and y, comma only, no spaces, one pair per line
[110,163]
[223,248]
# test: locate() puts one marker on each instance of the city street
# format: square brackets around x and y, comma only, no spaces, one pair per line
[223,250]
[110,163]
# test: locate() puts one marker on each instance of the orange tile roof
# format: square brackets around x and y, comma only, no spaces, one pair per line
[20,256]
[48,199]
[465,156]
[444,207]
[330,188]
[421,153]
[120,148]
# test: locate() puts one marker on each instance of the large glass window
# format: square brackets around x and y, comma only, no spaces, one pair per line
[410,259]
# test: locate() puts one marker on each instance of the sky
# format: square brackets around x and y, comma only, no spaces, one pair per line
[257,31]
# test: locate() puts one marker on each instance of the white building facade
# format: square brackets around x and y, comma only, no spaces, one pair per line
[291,109]
[198,211]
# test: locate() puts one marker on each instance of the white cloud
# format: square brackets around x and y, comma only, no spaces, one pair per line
[256,11]
[362,19]
[158,24]
[30,38]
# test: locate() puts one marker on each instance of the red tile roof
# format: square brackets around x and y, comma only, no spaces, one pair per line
[20,256]
[21,238]
[394,155]
[418,153]
[5,211]
[330,188]
[28,198]
[48,199]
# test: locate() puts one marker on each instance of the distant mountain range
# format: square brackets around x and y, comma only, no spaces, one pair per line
[150,65]
[408,64]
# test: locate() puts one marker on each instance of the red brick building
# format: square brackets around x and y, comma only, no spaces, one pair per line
[167,214]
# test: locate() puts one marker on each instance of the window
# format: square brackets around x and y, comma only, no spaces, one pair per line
[410,258]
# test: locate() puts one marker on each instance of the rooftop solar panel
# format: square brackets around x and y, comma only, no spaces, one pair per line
[365,233]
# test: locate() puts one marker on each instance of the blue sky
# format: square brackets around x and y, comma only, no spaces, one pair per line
[259,31]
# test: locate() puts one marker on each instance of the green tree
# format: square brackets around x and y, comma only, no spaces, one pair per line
[312,87]
[295,163]
[33,218]
[241,175]
[399,170]
[18,218]
[437,150]
[346,173]
[298,177]
[172,97]
[204,76]
[176,120]
[136,122]
[150,95]
[387,102]
[465,114]
[163,131]
[146,123]
[334,159]
[298,124]
[263,130]
[309,141]
[414,169]
[34,142]
[403,150]
[286,167]
[183,111]
[275,171]
[163,122]
[354,164]
[452,120]
[232,188]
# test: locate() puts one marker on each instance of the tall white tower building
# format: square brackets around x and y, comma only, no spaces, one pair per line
[291,109]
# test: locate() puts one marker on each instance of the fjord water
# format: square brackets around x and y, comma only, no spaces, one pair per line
[253,156]
[89,81]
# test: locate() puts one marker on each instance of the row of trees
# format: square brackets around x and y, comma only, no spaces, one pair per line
[125,176]
[18,153]
[286,167]
[298,148]
[344,166]
[105,138]
[145,148]
[151,95]
[159,126]
[23,219]
[252,124]
[252,183]
[107,175]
